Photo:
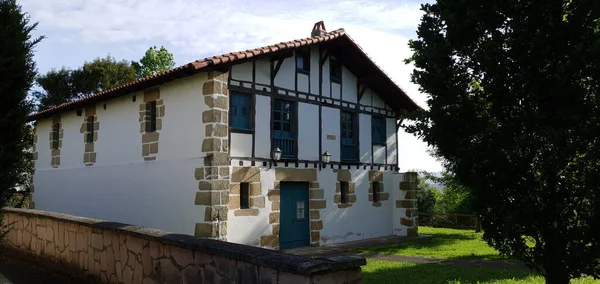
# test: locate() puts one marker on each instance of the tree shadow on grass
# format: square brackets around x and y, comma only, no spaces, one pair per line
[381,272]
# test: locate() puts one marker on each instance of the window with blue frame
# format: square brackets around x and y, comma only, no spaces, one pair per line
[335,70]
[349,141]
[241,111]
[284,136]
[378,133]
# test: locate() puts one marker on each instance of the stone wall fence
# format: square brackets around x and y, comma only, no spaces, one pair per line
[121,253]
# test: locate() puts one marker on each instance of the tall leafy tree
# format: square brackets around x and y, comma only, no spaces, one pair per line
[17,72]
[514,109]
[65,85]
[155,60]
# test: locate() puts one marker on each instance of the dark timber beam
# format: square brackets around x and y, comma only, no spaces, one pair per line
[323,59]
[276,69]
[361,92]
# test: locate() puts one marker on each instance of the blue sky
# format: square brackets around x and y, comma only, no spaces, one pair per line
[81,30]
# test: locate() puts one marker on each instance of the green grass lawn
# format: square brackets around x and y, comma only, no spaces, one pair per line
[384,272]
[444,243]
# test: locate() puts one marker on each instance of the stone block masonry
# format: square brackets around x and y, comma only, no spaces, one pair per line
[90,137]
[55,137]
[214,177]
[121,253]
[149,136]
[408,202]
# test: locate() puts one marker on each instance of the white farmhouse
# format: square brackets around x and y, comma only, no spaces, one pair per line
[282,146]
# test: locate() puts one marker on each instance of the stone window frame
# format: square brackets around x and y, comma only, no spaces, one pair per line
[377,176]
[317,203]
[55,138]
[344,176]
[149,137]
[89,138]
[256,201]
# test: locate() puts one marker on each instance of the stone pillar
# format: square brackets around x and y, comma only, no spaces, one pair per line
[214,177]
[407,203]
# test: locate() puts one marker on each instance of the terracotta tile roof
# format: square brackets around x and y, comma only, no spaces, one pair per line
[206,64]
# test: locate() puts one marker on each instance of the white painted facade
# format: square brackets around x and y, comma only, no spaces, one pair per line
[122,187]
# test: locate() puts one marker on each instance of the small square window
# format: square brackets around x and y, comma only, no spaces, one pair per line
[335,70]
[344,192]
[376,190]
[244,195]
[303,61]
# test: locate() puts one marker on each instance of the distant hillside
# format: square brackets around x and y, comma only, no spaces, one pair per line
[439,186]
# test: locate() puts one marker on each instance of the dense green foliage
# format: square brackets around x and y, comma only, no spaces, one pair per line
[427,195]
[17,72]
[455,198]
[64,85]
[155,60]
[513,110]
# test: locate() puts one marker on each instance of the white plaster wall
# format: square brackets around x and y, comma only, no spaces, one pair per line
[308,132]
[242,71]
[331,126]
[349,92]
[392,147]
[157,195]
[71,152]
[378,154]
[241,145]
[399,230]
[364,127]
[248,229]
[262,129]
[263,71]
[362,220]
[336,90]
[285,75]
[314,70]
[42,130]
[119,138]
[122,187]
[377,101]
[366,98]
[182,128]
[303,82]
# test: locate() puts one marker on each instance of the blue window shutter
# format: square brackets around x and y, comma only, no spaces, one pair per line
[378,130]
[240,111]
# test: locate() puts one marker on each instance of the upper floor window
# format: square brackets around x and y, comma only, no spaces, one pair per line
[349,145]
[240,111]
[89,133]
[284,136]
[151,124]
[378,130]
[303,60]
[335,70]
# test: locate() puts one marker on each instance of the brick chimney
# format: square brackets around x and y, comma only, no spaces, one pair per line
[318,29]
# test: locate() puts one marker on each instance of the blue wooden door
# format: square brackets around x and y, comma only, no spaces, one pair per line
[294,228]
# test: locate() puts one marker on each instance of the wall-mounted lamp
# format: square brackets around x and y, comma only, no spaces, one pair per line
[276,155]
[325,158]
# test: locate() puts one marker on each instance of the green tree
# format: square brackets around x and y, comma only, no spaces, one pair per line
[427,195]
[17,72]
[514,111]
[65,85]
[455,198]
[57,88]
[154,61]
